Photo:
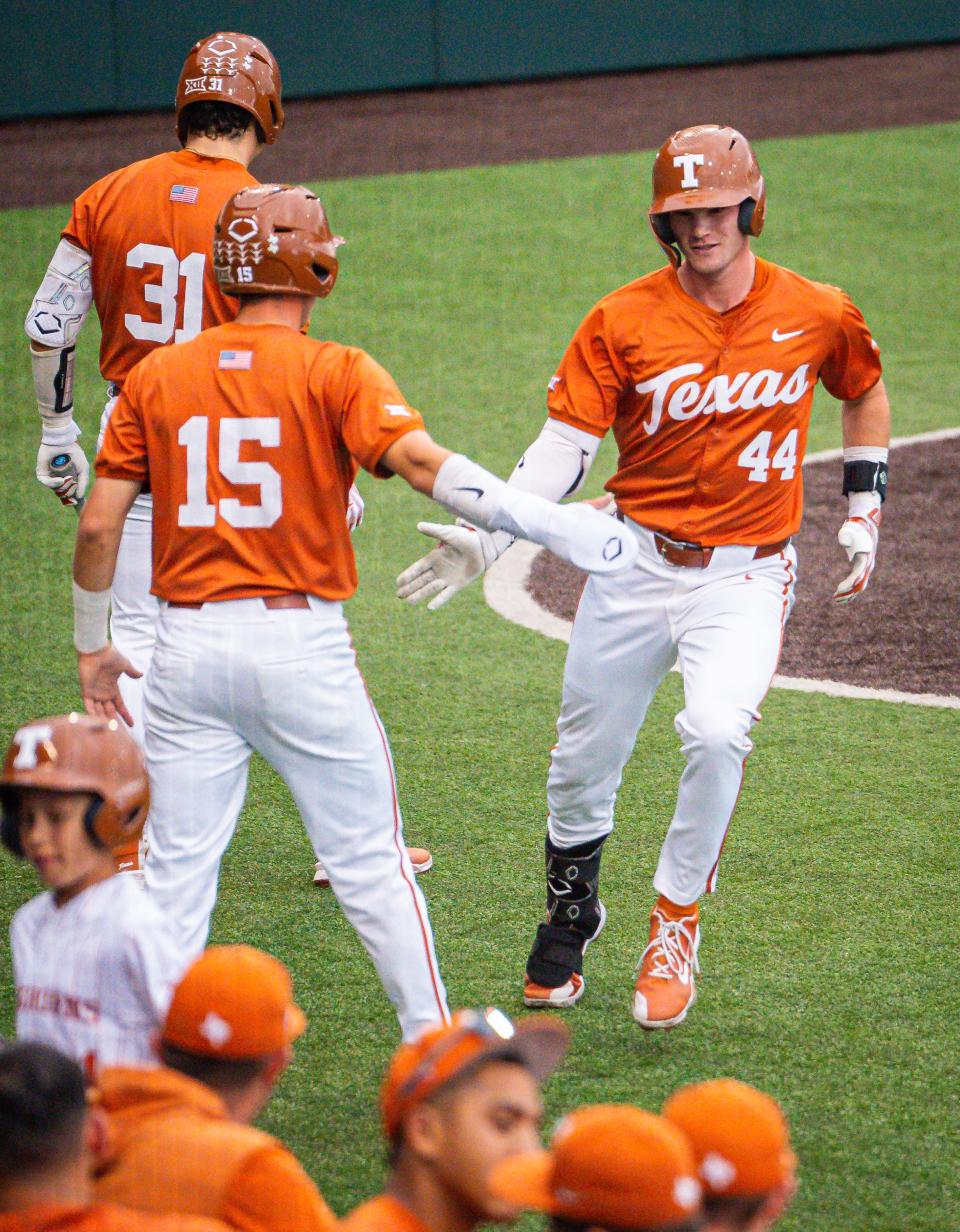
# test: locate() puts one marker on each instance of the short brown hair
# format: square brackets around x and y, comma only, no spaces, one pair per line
[43,1108]
[210,118]
[220,1075]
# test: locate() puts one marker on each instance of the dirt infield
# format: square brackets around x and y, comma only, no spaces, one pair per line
[903,633]
[48,160]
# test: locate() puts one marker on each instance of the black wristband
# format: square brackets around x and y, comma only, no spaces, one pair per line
[865,477]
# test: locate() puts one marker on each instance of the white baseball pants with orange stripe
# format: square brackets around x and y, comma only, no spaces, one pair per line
[725,624]
[232,677]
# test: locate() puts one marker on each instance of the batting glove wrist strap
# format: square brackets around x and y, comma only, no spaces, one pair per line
[59,432]
[91,613]
[865,469]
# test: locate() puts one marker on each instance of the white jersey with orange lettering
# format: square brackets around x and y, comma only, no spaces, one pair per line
[94,976]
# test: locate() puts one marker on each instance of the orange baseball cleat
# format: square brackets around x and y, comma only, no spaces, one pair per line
[665,990]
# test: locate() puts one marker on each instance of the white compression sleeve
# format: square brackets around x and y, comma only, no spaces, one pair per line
[486,501]
[62,300]
[555,465]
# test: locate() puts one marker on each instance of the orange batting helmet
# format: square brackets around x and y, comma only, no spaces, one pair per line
[703,167]
[77,753]
[274,239]
[237,69]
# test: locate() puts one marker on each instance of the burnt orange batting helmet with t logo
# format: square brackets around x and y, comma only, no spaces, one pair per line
[706,167]
[274,239]
[237,69]
[77,753]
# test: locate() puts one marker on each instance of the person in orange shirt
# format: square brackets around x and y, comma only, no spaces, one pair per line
[742,1147]
[705,372]
[458,1100]
[50,1138]
[138,248]
[609,1167]
[250,435]
[181,1134]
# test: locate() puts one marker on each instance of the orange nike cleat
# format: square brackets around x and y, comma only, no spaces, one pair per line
[420,858]
[665,990]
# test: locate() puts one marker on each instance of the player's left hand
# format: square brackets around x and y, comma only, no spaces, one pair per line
[355,508]
[859,537]
[100,673]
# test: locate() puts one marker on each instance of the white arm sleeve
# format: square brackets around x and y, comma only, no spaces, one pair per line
[63,298]
[555,465]
[53,322]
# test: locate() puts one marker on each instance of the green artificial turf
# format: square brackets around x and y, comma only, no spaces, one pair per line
[829,963]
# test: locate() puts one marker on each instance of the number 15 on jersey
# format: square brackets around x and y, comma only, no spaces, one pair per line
[194,435]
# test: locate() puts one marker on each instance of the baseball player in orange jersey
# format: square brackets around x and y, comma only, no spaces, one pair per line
[457,1101]
[94,961]
[182,1135]
[137,246]
[250,435]
[50,1140]
[705,371]
[609,1168]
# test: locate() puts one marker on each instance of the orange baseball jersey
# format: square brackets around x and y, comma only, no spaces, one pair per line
[176,1149]
[710,410]
[149,231]
[384,1213]
[99,1217]
[250,436]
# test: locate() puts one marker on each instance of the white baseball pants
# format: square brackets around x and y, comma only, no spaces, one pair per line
[725,623]
[232,677]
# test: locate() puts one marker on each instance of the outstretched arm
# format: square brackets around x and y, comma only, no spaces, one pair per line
[577,533]
[554,466]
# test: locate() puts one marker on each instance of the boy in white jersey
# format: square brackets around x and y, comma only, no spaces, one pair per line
[94,960]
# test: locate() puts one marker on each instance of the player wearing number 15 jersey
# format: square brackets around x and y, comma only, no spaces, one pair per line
[705,372]
[250,435]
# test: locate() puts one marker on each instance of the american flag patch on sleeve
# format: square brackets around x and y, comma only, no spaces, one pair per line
[236,359]
[184,192]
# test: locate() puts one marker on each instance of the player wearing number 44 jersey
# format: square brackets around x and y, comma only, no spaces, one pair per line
[250,435]
[137,246]
[705,372]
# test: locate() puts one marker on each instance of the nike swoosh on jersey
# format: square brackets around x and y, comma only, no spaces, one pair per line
[778,337]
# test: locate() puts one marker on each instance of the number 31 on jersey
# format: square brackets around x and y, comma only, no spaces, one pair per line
[758,463]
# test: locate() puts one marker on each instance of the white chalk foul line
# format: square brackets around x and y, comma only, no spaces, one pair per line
[505,590]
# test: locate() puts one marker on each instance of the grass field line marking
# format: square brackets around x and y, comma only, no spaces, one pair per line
[505,590]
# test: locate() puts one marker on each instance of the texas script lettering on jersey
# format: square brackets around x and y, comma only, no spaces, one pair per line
[743,392]
[64,1005]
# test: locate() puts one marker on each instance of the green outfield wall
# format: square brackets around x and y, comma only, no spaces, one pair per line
[79,56]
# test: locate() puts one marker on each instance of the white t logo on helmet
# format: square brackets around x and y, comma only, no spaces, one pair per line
[28,740]
[688,162]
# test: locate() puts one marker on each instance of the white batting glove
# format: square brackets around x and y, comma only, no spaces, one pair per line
[355,508]
[462,556]
[69,476]
[859,537]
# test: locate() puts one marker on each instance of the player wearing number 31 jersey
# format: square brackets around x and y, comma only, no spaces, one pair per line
[705,372]
[138,248]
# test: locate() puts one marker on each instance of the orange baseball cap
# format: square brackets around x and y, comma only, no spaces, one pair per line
[610,1164]
[235,1003]
[443,1051]
[739,1136]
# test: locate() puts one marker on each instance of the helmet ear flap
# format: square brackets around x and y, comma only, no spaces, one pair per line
[745,215]
[662,228]
[94,832]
